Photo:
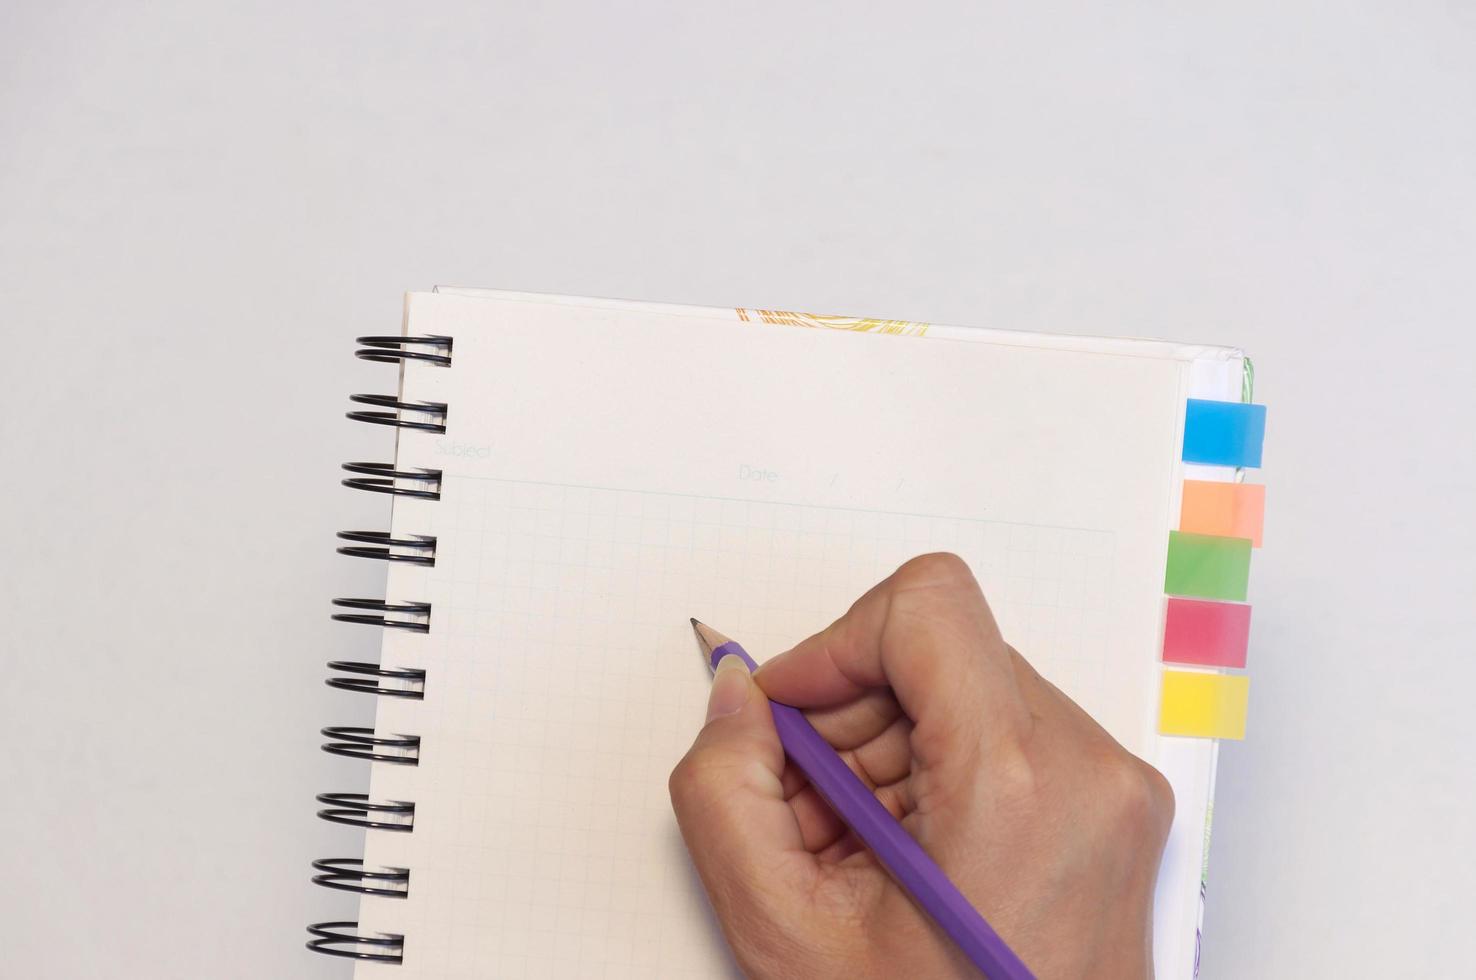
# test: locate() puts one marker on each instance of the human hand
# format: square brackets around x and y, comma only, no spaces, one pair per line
[1049,827]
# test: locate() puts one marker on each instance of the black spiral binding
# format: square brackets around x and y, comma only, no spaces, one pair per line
[396,350]
[380,545]
[357,809]
[419,610]
[333,939]
[348,874]
[436,411]
[364,743]
[384,478]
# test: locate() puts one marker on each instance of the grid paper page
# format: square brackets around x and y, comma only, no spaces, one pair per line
[584,516]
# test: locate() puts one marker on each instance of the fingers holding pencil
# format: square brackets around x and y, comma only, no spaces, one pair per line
[1047,826]
[924,636]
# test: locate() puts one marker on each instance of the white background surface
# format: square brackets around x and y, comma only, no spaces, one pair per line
[200,205]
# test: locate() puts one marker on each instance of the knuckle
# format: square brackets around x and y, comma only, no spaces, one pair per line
[939,568]
[1160,796]
[683,781]
[1138,796]
[1014,776]
[697,777]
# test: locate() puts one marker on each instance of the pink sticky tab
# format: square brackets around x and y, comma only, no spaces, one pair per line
[1206,633]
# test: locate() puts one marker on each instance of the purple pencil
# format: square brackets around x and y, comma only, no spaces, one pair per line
[856,805]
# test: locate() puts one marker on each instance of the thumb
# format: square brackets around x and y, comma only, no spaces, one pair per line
[729,799]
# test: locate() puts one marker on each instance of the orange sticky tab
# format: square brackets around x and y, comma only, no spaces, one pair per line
[1230,510]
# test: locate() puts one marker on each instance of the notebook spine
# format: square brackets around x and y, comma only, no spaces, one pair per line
[359,810]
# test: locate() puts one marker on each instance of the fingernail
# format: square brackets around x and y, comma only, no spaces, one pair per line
[729,687]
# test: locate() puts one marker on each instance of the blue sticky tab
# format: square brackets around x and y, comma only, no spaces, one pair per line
[1223,433]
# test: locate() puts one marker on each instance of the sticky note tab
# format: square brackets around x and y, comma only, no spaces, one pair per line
[1207,567]
[1209,634]
[1231,510]
[1203,705]
[1223,433]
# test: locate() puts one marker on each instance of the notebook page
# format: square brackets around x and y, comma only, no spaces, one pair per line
[1215,372]
[609,473]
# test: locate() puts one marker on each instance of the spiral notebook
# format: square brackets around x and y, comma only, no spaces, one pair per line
[573,478]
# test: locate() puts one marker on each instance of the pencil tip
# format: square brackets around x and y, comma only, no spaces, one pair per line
[693,621]
[707,637]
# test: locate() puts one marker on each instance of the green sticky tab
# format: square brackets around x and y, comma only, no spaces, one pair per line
[1207,566]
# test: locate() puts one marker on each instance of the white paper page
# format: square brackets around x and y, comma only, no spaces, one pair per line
[1188,763]
[608,473]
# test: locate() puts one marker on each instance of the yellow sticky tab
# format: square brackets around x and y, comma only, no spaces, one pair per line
[1203,705]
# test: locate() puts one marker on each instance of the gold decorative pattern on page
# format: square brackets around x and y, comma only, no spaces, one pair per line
[828,322]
